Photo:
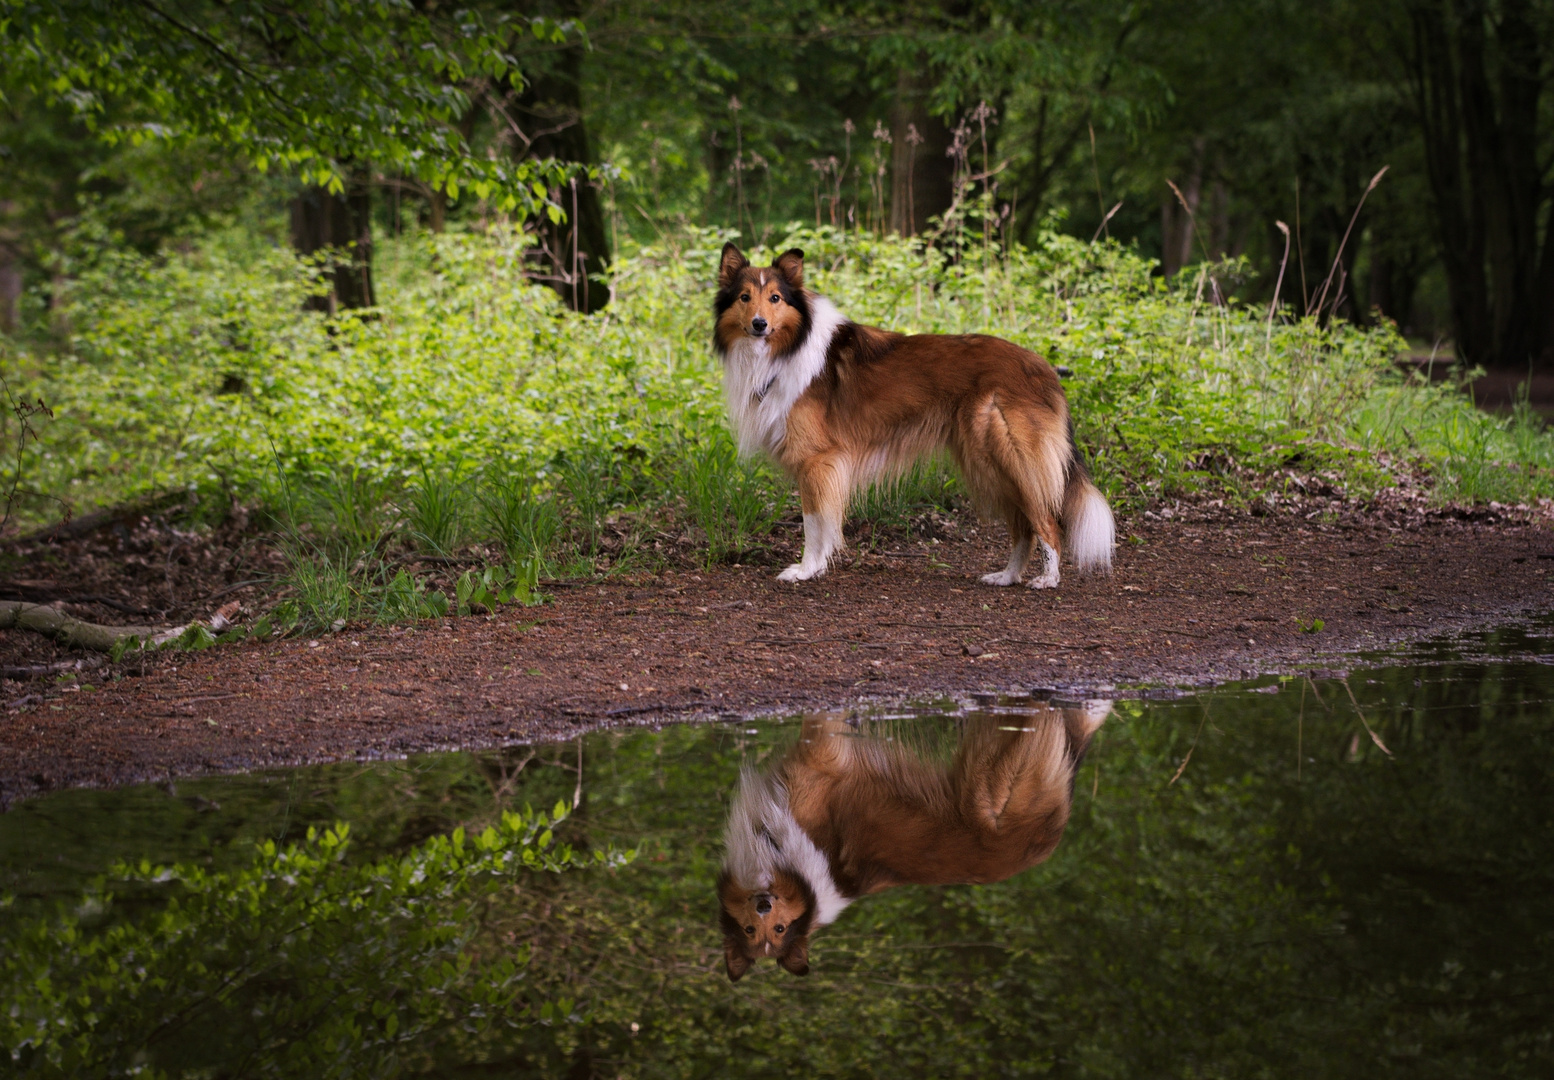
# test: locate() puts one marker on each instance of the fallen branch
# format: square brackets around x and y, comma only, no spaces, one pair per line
[32,671]
[77,633]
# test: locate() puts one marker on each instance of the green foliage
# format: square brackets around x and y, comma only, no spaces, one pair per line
[576,422]
[928,485]
[493,585]
[524,522]
[730,500]
[585,472]
[296,89]
[437,511]
[303,962]
[406,599]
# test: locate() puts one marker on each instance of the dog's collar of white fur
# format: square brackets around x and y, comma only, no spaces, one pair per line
[763,837]
[760,388]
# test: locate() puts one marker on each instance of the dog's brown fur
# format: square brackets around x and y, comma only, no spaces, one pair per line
[882,816]
[883,400]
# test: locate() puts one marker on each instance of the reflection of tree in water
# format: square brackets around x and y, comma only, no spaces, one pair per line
[1378,916]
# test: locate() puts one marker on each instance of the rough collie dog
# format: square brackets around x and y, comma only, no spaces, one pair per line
[839,405]
[843,815]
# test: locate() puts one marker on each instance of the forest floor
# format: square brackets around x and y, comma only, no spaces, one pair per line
[1200,594]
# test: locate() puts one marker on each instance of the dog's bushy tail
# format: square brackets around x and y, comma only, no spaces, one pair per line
[1089,533]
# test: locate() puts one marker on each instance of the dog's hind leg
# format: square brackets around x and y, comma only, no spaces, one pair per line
[1021,538]
[1010,450]
[824,485]
[1048,578]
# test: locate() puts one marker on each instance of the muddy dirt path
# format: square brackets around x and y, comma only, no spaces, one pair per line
[1206,595]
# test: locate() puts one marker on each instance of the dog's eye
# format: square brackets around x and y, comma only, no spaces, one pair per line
[780,929]
[744,298]
[750,930]
[776,299]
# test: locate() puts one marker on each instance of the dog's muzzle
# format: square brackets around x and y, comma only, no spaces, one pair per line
[758,326]
[763,905]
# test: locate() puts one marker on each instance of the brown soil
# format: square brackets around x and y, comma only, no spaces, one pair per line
[1200,594]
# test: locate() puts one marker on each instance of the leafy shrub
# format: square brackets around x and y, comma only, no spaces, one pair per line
[201,369]
[302,963]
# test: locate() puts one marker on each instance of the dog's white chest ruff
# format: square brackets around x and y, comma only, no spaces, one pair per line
[763,837]
[760,389]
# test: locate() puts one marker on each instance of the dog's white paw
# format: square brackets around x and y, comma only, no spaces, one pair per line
[800,572]
[1003,577]
[1046,580]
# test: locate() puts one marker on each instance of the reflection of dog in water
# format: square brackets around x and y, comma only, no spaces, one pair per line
[843,815]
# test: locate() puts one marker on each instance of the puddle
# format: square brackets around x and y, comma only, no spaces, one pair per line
[1345,876]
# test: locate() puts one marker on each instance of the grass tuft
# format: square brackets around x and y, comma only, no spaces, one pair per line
[438,511]
[730,500]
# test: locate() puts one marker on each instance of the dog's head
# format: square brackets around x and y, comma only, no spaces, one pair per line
[763,303]
[771,922]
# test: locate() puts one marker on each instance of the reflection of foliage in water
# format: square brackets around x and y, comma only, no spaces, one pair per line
[303,963]
[1374,916]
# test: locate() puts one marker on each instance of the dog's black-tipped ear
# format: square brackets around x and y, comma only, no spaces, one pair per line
[730,265]
[790,264]
[735,962]
[796,959]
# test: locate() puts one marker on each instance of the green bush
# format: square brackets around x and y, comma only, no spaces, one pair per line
[302,963]
[201,370]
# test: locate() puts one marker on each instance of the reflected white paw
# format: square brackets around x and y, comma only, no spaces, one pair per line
[800,572]
[1003,577]
[1044,581]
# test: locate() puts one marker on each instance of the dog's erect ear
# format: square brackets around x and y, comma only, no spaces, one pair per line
[732,263]
[735,961]
[790,264]
[796,959]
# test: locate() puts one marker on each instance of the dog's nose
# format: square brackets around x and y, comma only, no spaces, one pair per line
[763,905]
[758,324]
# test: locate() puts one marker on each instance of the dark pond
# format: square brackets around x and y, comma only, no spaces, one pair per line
[1296,902]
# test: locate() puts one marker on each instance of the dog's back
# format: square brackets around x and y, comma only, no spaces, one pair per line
[884,816]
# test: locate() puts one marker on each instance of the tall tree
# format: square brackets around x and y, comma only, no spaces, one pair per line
[326,221]
[318,89]
[1480,75]
[551,128]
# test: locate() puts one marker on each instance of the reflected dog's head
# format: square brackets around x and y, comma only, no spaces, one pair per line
[774,921]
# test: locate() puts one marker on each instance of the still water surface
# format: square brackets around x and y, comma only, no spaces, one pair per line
[1248,885]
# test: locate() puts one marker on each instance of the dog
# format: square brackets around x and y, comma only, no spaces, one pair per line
[844,815]
[839,405]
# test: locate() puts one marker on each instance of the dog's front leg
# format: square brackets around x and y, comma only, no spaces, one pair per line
[823,491]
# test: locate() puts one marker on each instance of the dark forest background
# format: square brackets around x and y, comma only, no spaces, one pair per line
[1191,129]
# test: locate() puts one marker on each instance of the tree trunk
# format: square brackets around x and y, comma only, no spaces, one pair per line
[922,175]
[1477,78]
[321,219]
[578,247]
[1219,220]
[10,286]
[1391,288]
[1177,223]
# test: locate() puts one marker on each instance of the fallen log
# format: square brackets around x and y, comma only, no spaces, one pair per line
[77,633]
